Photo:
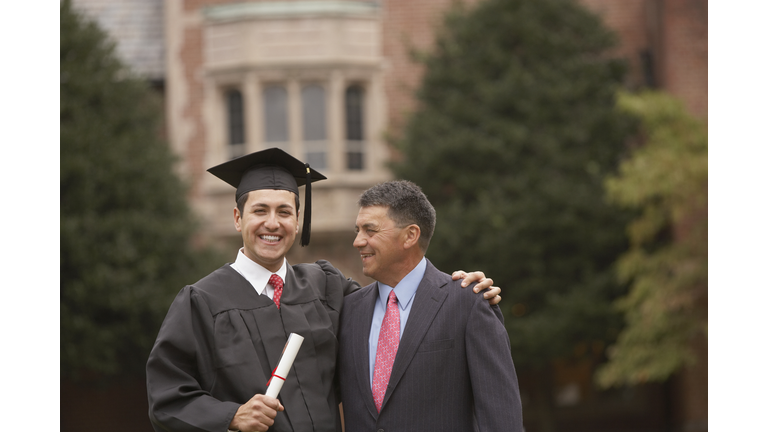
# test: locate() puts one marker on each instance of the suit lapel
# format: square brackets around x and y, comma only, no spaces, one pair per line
[428,299]
[363,313]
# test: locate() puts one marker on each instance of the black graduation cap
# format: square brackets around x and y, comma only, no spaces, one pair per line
[271,169]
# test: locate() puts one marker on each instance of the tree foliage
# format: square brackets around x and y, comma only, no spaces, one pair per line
[516,128]
[666,179]
[125,224]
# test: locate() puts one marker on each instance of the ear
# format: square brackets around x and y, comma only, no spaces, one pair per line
[237,220]
[412,233]
[298,218]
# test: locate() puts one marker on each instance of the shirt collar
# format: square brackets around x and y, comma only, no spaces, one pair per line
[254,273]
[407,286]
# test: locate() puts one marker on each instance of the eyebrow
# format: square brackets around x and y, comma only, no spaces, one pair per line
[279,207]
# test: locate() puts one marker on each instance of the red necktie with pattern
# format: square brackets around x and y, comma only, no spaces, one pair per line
[389,339]
[277,282]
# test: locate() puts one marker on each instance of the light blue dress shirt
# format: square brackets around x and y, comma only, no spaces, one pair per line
[404,291]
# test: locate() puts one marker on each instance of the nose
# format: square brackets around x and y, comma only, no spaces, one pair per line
[271,222]
[359,240]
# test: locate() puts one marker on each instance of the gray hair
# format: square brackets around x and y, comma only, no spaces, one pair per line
[406,204]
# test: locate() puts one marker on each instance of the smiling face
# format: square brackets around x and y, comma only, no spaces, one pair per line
[268,224]
[386,250]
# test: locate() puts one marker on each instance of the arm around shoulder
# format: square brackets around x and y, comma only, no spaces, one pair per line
[336,277]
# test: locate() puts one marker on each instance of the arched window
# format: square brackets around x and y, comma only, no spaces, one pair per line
[276,117]
[314,125]
[235,123]
[353,104]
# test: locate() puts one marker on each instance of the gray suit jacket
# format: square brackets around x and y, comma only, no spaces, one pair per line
[453,370]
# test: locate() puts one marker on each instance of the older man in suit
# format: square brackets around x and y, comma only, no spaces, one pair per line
[416,353]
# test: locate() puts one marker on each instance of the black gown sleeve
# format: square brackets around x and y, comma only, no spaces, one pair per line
[177,401]
[335,276]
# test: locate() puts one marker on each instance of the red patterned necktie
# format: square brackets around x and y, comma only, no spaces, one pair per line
[277,282]
[389,339]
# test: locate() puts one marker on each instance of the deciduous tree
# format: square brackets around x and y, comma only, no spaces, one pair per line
[666,179]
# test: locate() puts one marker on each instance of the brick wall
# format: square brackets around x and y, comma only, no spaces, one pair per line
[686,52]
[407,25]
[629,20]
[675,32]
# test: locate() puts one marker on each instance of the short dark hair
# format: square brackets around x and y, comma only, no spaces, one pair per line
[244,199]
[406,204]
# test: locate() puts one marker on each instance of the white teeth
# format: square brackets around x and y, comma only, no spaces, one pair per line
[270,238]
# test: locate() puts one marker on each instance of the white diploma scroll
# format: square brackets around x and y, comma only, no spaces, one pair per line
[284,365]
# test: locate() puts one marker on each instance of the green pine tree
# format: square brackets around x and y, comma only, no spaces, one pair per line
[126,228]
[516,129]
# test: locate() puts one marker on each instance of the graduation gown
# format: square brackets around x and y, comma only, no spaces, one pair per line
[221,340]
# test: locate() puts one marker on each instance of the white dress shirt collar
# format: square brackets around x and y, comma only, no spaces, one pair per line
[256,274]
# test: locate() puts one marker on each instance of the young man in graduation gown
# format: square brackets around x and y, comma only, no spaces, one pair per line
[223,336]
[417,354]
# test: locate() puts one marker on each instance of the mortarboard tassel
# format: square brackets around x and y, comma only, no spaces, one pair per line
[307,208]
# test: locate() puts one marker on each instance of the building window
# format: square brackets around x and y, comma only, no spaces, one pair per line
[353,109]
[276,117]
[235,123]
[310,105]
[314,125]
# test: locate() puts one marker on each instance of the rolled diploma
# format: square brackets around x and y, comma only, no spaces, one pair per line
[284,365]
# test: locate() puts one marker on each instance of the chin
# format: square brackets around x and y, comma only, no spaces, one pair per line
[370,274]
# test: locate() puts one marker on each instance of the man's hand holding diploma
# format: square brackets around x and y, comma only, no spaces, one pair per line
[258,414]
